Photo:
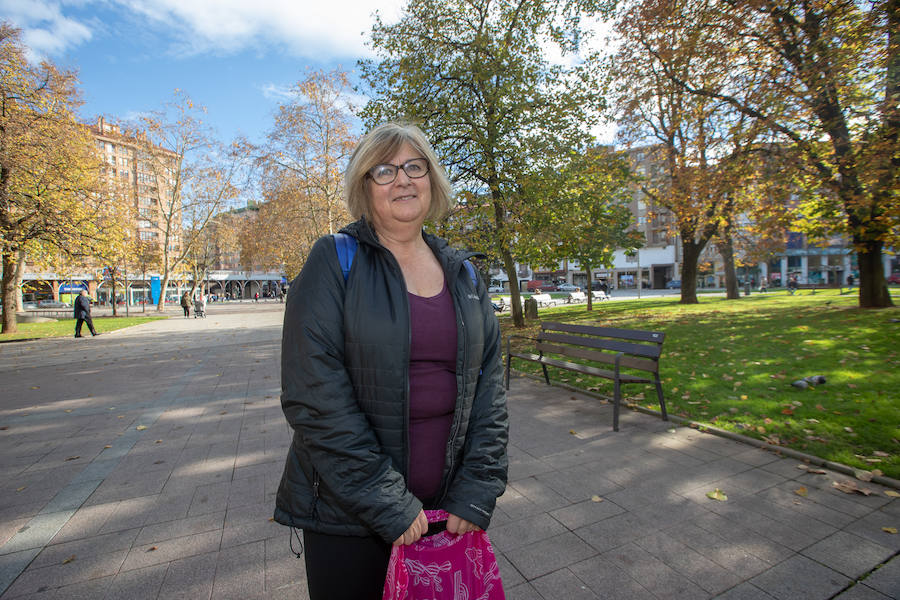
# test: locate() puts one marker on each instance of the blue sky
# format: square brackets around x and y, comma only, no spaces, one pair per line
[236,57]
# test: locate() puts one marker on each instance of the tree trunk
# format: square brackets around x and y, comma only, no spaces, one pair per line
[873,291]
[161,305]
[590,302]
[20,274]
[691,255]
[113,298]
[515,298]
[9,292]
[726,250]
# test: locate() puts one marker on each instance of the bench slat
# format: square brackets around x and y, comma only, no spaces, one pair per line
[626,334]
[563,364]
[641,364]
[644,350]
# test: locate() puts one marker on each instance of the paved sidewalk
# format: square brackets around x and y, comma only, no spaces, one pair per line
[143,464]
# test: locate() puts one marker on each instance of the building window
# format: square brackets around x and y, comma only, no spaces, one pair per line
[144,224]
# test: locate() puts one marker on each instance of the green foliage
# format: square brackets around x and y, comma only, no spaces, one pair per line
[580,212]
[475,77]
[731,364]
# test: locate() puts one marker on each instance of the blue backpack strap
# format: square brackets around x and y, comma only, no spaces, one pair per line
[346,249]
[471,269]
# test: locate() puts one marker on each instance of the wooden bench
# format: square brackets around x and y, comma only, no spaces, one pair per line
[577,297]
[599,295]
[630,349]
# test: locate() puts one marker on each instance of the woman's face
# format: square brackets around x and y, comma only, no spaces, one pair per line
[403,202]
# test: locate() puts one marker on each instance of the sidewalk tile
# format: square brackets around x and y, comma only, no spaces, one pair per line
[78,570]
[744,591]
[608,581]
[848,554]
[549,555]
[178,528]
[586,513]
[172,549]
[139,584]
[563,584]
[871,525]
[189,578]
[525,531]
[653,574]
[799,578]
[240,572]
[861,591]
[886,579]
[705,573]
[615,531]
[55,554]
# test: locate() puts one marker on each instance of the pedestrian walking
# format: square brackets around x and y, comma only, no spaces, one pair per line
[83,314]
[391,414]
[186,304]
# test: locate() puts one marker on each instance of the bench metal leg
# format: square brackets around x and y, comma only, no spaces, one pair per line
[662,401]
[546,375]
[508,365]
[617,396]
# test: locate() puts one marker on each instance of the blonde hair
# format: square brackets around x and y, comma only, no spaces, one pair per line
[377,147]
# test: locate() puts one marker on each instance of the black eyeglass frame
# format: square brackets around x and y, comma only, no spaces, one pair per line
[397,170]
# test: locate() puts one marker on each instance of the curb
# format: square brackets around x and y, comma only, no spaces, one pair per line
[711,429]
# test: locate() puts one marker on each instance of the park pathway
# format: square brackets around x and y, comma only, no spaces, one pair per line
[143,464]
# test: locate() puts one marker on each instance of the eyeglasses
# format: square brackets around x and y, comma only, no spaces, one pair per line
[414,168]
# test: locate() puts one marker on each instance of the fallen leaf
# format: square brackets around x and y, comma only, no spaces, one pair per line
[849,487]
[68,560]
[717,494]
[141,427]
[572,432]
[151,548]
[107,446]
[862,475]
[877,472]
[25,486]
[817,471]
[68,410]
[889,529]
[158,442]
[848,429]
[880,453]
[73,458]
[596,498]
[892,493]
[802,491]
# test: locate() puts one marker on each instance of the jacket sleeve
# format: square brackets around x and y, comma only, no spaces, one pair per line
[481,478]
[320,405]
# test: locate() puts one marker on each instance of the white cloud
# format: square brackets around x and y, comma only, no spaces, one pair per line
[336,28]
[45,30]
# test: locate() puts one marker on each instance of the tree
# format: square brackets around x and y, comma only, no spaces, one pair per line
[824,78]
[700,154]
[192,176]
[581,212]
[49,170]
[145,255]
[310,142]
[473,74]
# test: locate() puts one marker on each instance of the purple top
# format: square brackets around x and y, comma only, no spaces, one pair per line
[432,389]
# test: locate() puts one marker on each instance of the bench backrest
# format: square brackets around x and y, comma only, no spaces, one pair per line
[641,348]
[577,296]
[541,297]
[598,294]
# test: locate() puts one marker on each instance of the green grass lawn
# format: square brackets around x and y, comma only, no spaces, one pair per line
[66,327]
[731,364]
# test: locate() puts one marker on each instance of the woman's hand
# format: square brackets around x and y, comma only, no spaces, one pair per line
[458,526]
[418,528]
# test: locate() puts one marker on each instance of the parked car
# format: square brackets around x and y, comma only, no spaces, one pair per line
[674,284]
[496,289]
[52,304]
[568,287]
[894,278]
[29,305]
[539,285]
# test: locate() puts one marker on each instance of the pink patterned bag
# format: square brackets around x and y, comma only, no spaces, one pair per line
[444,567]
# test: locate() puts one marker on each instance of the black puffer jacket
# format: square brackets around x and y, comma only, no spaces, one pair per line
[345,392]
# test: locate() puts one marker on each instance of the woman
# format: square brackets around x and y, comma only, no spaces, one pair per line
[391,378]
[186,304]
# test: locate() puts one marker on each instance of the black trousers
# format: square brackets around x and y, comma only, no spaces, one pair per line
[186,311]
[342,567]
[90,324]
